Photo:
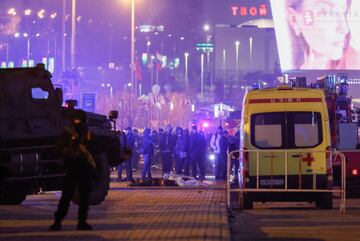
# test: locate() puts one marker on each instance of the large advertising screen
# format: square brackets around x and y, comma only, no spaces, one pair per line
[317,34]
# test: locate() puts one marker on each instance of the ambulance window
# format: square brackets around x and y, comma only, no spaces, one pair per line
[267,130]
[307,129]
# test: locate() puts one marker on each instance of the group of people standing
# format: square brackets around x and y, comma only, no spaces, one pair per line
[183,149]
[188,148]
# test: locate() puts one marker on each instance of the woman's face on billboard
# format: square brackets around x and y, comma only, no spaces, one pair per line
[354,23]
[323,25]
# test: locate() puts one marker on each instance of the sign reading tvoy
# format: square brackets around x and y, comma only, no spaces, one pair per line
[238,10]
[88,102]
[235,12]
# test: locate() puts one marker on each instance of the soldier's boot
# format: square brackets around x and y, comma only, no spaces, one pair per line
[56,226]
[84,226]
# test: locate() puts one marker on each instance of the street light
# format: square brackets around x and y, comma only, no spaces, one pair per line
[186,69]
[12,11]
[25,35]
[27,12]
[27,47]
[132,64]
[6,51]
[251,49]
[202,75]
[41,13]
[224,66]
[237,44]
[148,44]
[206,27]
[73,35]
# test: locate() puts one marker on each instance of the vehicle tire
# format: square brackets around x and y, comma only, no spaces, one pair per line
[100,188]
[246,203]
[352,193]
[11,194]
[325,201]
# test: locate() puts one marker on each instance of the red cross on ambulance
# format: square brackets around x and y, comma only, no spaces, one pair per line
[309,159]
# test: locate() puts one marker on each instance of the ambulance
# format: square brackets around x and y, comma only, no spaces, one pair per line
[285,147]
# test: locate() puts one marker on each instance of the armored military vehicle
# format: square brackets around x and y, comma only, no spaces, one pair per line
[32,119]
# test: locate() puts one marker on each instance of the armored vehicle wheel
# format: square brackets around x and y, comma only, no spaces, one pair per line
[325,201]
[11,195]
[101,187]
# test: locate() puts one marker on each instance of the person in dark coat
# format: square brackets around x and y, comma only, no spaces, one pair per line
[156,160]
[137,150]
[224,146]
[203,155]
[80,170]
[148,152]
[216,149]
[234,145]
[195,150]
[167,145]
[186,164]
[129,143]
[181,150]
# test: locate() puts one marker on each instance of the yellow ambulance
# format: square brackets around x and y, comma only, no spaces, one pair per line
[285,130]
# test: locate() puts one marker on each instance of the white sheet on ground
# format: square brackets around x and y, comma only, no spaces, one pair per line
[187,181]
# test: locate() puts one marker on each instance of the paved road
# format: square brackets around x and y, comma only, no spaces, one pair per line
[296,221]
[127,214]
[179,214]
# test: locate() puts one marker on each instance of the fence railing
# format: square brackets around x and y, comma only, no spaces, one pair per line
[243,189]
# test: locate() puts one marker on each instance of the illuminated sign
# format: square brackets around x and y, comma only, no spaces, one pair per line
[249,10]
[150,28]
[205,47]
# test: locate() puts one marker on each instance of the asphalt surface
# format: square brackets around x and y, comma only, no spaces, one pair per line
[296,222]
[176,213]
[128,213]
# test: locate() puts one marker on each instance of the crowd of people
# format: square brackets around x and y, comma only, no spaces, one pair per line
[181,151]
[184,151]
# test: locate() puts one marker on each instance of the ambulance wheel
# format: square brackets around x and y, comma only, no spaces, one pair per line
[352,193]
[246,203]
[325,201]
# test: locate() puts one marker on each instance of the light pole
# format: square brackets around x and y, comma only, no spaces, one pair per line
[6,52]
[237,44]
[224,65]
[186,70]
[148,44]
[63,38]
[27,47]
[132,64]
[73,34]
[25,35]
[27,50]
[152,70]
[202,75]
[251,49]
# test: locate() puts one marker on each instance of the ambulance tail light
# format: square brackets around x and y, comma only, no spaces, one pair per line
[355,172]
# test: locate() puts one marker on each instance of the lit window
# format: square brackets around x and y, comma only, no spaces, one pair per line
[39,94]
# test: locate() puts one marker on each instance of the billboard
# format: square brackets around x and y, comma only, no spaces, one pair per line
[317,34]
